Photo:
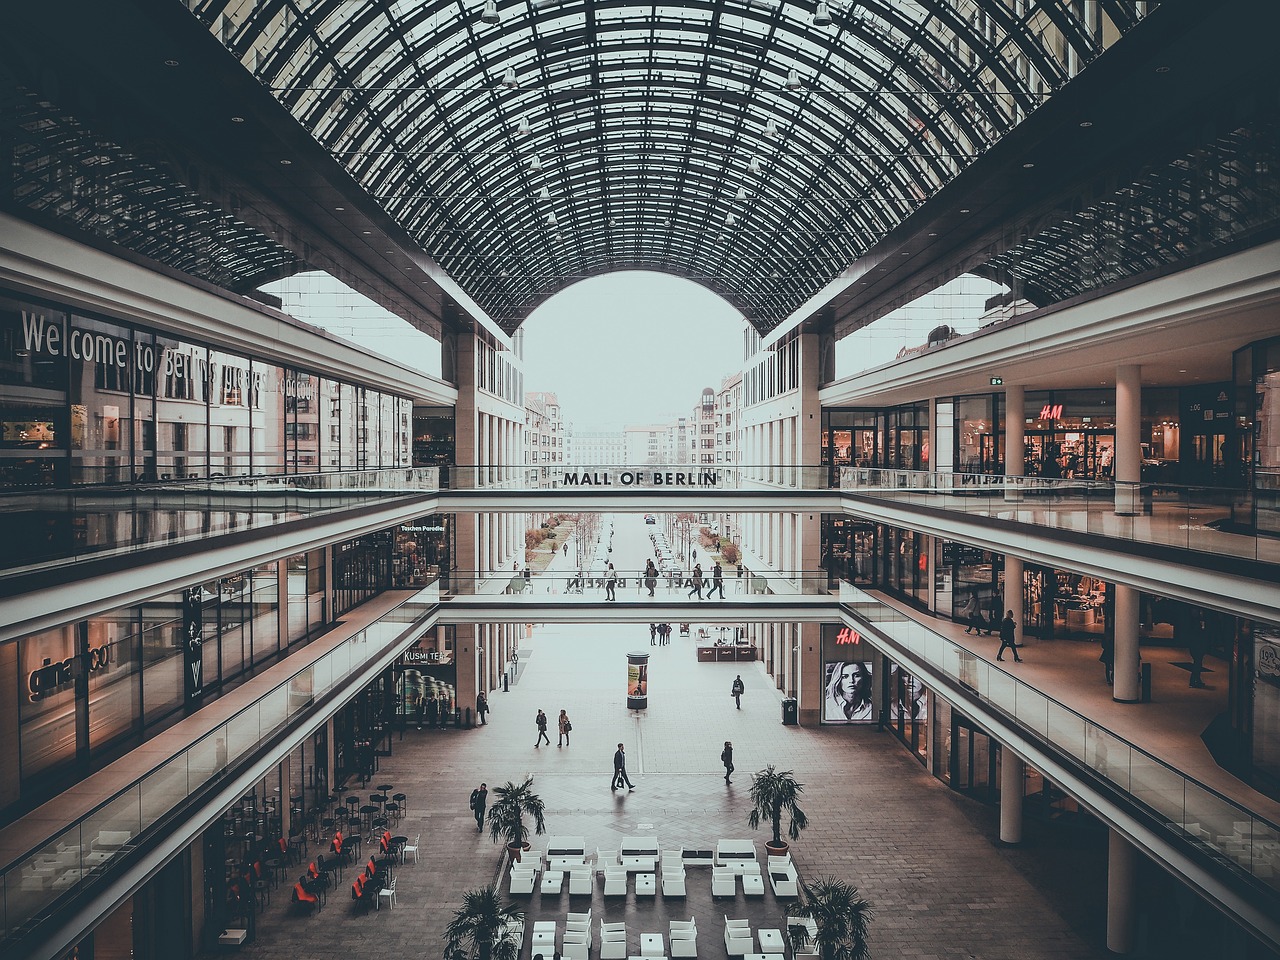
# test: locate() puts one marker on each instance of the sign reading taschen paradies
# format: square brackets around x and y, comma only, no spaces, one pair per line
[642,478]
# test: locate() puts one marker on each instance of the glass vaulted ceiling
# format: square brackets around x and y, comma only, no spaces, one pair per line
[754,146]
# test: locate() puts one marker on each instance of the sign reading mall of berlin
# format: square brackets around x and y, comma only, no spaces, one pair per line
[642,478]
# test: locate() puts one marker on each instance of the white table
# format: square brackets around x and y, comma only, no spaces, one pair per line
[646,884]
[651,945]
[552,881]
[644,863]
[233,937]
[762,956]
[770,940]
[752,885]
[544,934]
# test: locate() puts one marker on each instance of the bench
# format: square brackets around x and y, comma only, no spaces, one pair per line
[698,858]
[735,853]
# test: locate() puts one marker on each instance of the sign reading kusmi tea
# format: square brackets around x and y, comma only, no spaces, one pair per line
[642,478]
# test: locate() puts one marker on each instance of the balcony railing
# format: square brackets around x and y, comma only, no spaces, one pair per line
[58,867]
[1231,834]
[49,527]
[1214,520]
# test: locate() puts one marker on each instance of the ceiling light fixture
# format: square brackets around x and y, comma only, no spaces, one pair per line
[535,163]
[822,16]
[742,193]
[544,193]
[551,219]
[509,79]
[171,63]
[754,165]
[730,219]
[793,79]
[490,13]
[771,130]
[523,129]
[237,119]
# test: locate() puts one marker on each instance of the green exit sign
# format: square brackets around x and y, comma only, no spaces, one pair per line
[997,381]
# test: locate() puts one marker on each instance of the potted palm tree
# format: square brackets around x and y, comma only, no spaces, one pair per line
[514,802]
[832,917]
[773,793]
[481,928]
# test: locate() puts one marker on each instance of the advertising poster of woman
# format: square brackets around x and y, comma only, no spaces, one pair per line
[848,698]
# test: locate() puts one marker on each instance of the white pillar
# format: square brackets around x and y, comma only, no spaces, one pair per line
[1121,860]
[1012,777]
[1015,439]
[1127,652]
[1128,454]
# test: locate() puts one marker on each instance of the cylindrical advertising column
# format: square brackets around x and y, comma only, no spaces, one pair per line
[637,681]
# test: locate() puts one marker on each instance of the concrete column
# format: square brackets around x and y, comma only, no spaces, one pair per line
[331,754]
[286,791]
[1128,456]
[1013,592]
[808,678]
[466,642]
[1012,776]
[329,614]
[878,667]
[1121,862]
[1127,652]
[1015,438]
[9,736]
[282,606]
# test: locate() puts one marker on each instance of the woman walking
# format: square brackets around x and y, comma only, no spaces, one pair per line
[726,757]
[565,726]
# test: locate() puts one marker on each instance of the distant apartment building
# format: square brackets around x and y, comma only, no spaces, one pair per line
[591,448]
[546,434]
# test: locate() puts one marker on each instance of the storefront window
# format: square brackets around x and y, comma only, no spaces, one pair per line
[47,705]
[908,709]
[979,435]
[101,359]
[115,668]
[421,552]
[34,428]
[182,414]
[967,584]
[162,656]
[264,604]
[848,676]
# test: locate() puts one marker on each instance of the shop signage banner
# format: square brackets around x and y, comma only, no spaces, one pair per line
[193,647]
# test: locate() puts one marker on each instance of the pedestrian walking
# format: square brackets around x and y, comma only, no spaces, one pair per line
[653,634]
[717,580]
[610,583]
[726,757]
[665,630]
[737,690]
[446,711]
[566,550]
[695,584]
[1108,658]
[541,721]
[620,770]
[969,614]
[479,798]
[433,711]
[565,727]
[1007,628]
[650,576]
[482,707]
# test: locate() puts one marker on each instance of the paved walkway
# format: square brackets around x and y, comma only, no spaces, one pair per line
[922,854]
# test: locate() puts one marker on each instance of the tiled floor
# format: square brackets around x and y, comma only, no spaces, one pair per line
[924,856]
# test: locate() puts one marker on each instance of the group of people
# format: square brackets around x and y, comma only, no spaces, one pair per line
[563,725]
[435,712]
[696,582]
[659,634]
[971,616]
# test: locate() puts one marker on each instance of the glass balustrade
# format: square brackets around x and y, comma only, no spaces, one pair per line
[55,868]
[1219,825]
[670,584]
[63,526]
[1205,519]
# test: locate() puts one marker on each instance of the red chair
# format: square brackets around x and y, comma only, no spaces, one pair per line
[370,869]
[303,897]
[311,869]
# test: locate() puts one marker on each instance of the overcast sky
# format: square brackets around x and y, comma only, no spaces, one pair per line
[631,347]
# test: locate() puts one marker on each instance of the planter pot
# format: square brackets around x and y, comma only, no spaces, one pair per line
[776,850]
[515,850]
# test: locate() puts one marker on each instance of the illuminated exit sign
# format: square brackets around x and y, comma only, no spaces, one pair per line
[997,381]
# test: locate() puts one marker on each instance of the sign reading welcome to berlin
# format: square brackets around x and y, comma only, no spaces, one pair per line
[642,478]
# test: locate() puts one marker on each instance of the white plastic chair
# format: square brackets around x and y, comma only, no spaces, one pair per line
[615,882]
[613,941]
[389,891]
[684,938]
[737,937]
[576,945]
[673,880]
[521,880]
[411,848]
[724,882]
[580,882]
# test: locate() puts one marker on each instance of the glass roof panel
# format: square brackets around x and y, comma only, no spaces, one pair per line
[651,114]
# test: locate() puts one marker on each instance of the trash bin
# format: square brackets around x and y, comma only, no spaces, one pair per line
[790,711]
[1144,682]
[469,724]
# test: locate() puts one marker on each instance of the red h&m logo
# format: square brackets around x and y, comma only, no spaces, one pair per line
[848,636]
[1051,411]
